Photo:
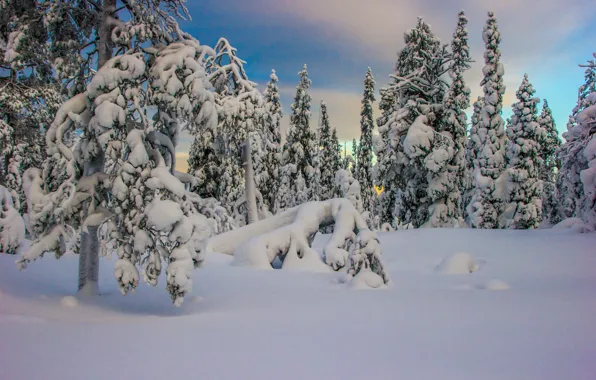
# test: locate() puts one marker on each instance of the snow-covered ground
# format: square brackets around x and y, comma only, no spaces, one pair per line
[528,311]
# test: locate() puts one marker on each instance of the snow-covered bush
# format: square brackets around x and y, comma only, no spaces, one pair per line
[12,225]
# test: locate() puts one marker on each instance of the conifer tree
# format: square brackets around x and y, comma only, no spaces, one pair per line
[447,209]
[550,166]
[524,161]
[384,176]
[299,153]
[473,146]
[418,90]
[328,155]
[364,172]
[586,119]
[487,203]
[573,162]
[354,156]
[272,160]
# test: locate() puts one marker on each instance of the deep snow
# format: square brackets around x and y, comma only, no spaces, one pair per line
[528,312]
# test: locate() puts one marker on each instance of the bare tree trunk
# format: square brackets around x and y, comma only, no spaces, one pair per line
[252,214]
[104,50]
[89,252]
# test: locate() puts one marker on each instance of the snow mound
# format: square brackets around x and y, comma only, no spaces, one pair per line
[367,280]
[574,224]
[458,263]
[69,301]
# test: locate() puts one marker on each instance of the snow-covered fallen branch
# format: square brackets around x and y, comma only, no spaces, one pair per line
[352,245]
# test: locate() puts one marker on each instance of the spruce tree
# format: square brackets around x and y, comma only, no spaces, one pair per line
[418,90]
[524,161]
[300,149]
[328,156]
[354,157]
[272,160]
[487,202]
[473,146]
[364,172]
[336,161]
[550,166]
[447,208]
[586,119]
[573,162]
[384,176]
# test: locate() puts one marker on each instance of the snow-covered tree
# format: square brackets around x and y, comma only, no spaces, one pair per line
[573,162]
[487,202]
[524,161]
[240,109]
[300,149]
[364,166]
[328,155]
[447,209]
[473,146]
[383,175]
[550,167]
[272,159]
[418,90]
[120,180]
[586,118]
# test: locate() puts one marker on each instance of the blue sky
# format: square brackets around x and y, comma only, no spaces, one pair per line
[339,39]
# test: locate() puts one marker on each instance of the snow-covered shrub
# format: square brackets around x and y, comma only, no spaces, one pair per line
[12,225]
[365,256]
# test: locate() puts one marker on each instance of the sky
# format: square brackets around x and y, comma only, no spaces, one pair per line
[339,39]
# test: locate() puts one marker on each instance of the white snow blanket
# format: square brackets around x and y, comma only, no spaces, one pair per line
[241,323]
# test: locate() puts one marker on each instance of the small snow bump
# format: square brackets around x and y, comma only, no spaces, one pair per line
[69,301]
[367,280]
[458,263]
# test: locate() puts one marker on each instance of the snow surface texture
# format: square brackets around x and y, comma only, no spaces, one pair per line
[425,326]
